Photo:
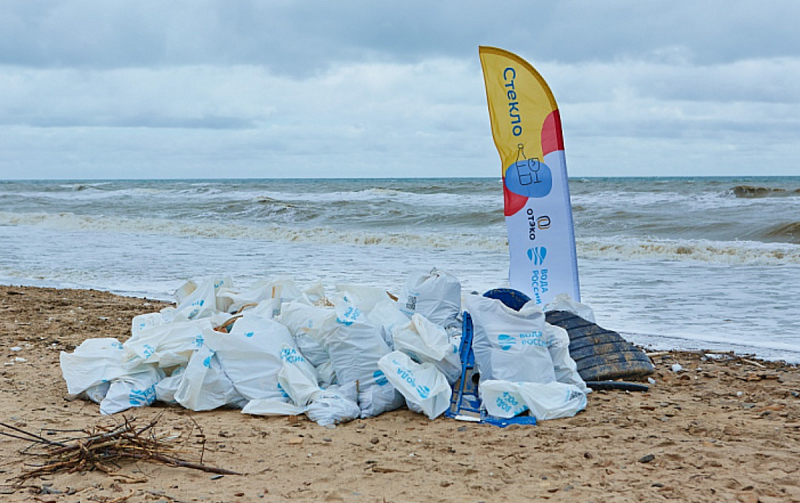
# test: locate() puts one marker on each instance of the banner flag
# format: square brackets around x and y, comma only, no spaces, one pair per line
[526,127]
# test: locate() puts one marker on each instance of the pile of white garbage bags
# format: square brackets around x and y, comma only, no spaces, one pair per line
[523,362]
[274,349]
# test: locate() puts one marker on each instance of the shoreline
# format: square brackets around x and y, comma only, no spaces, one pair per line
[721,429]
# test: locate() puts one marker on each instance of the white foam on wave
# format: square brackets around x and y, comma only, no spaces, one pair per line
[438,199]
[691,201]
[616,248]
[183,228]
[90,195]
[699,250]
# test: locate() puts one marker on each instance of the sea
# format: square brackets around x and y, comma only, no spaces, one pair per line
[670,263]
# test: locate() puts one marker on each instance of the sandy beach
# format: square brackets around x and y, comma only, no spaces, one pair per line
[722,429]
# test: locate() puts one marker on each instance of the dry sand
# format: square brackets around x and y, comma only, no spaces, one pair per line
[721,430]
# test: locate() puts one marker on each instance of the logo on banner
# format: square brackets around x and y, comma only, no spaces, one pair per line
[528,177]
[537,254]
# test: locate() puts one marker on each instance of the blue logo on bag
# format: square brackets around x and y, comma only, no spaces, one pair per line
[280,388]
[349,317]
[380,378]
[506,341]
[207,361]
[537,254]
[423,391]
[290,355]
[148,350]
[142,397]
[197,305]
[249,334]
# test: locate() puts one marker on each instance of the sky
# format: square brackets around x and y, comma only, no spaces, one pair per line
[290,88]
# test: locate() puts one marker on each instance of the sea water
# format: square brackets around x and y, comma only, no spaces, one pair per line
[689,263]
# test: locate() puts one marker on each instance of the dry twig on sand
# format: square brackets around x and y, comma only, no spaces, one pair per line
[101,449]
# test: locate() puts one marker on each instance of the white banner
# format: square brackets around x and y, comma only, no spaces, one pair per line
[526,127]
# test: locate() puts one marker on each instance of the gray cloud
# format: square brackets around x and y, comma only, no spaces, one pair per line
[300,38]
[353,88]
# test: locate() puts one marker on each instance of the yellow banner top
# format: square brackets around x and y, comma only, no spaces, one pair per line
[522,110]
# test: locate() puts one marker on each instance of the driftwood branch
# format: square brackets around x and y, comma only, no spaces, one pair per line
[108,446]
[29,435]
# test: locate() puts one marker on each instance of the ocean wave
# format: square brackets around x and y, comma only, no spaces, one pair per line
[319,234]
[750,192]
[85,193]
[481,239]
[200,190]
[725,252]
[383,196]
[77,187]
[789,232]
[645,201]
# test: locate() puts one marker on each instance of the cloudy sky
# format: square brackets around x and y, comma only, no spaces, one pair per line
[286,88]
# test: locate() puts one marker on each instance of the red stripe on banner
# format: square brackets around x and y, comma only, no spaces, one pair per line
[552,137]
[512,202]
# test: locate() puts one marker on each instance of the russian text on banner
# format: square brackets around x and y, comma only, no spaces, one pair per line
[526,127]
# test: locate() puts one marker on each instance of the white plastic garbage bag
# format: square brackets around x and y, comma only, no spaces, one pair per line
[302,318]
[135,389]
[305,322]
[94,362]
[97,393]
[553,400]
[425,341]
[425,388]
[297,377]
[564,367]
[387,315]
[544,401]
[272,407]
[184,291]
[502,398]
[330,407]
[198,299]
[166,387]
[315,353]
[168,344]
[144,321]
[435,294]
[509,345]
[204,385]
[377,396]
[362,296]
[267,308]
[354,344]
[258,291]
[285,290]
[251,355]
[315,294]
[327,376]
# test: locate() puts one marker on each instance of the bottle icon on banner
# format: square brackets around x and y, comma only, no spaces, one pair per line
[528,177]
